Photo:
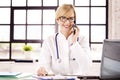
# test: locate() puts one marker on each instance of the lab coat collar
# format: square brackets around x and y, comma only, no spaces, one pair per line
[63,37]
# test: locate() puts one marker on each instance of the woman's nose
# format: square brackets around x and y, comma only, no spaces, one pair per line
[67,21]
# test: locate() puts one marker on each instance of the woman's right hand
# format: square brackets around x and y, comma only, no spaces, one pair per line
[76,34]
[42,72]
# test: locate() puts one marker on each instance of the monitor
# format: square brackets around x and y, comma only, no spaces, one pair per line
[110,63]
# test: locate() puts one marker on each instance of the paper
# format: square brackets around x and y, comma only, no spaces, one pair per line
[56,77]
[9,73]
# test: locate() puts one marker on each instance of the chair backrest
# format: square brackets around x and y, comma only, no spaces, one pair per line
[110,64]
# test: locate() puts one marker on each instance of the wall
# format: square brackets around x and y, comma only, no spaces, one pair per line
[114,19]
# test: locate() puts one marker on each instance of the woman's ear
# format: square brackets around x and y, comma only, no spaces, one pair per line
[57,20]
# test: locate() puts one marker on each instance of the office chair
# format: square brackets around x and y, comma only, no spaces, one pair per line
[110,63]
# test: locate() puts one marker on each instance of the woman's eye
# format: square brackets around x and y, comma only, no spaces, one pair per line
[71,18]
[64,17]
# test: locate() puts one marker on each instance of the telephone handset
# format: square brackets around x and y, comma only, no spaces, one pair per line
[74,25]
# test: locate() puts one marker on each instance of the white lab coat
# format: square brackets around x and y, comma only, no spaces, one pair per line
[79,51]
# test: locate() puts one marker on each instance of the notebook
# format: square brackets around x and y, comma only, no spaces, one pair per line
[9,73]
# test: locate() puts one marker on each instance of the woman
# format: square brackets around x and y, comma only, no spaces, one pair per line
[66,52]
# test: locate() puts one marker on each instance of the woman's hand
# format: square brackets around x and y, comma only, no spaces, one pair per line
[42,72]
[75,35]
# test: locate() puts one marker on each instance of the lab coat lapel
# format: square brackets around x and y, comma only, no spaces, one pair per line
[64,52]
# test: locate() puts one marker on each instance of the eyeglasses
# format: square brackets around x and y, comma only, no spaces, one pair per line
[64,19]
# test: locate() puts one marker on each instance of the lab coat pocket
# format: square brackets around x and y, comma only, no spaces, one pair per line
[74,66]
[57,66]
[73,63]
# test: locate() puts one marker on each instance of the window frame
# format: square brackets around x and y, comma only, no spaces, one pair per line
[13,8]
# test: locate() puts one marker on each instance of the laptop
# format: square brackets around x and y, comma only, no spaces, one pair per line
[110,64]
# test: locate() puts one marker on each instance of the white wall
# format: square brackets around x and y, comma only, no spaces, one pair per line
[114,19]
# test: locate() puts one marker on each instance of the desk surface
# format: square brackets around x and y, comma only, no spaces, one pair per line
[31,78]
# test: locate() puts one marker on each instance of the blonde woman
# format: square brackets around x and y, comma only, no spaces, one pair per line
[66,52]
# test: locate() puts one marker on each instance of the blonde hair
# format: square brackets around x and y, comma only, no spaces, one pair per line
[65,10]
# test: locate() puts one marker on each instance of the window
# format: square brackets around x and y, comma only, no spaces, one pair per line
[27,22]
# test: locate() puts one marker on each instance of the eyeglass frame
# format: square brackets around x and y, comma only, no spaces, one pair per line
[64,19]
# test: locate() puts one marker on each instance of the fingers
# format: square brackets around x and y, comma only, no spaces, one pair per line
[76,31]
[75,35]
[42,72]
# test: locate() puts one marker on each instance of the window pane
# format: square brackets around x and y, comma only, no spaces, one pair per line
[49,3]
[34,32]
[65,2]
[5,2]
[19,32]
[34,16]
[4,50]
[18,52]
[84,30]
[4,33]
[48,30]
[19,17]
[98,2]
[36,49]
[81,2]
[96,50]
[18,2]
[82,15]
[49,19]
[4,15]
[97,33]
[34,2]
[95,19]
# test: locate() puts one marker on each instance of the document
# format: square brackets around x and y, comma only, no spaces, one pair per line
[56,77]
[9,73]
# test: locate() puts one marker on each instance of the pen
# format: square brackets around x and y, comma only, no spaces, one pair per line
[49,74]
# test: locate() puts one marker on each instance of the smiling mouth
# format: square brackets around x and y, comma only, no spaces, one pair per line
[66,26]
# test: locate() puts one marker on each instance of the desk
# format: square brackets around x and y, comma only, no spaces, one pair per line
[31,78]
[31,67]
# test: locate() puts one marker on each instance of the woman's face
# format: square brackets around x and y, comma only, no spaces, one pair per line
[66,23]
